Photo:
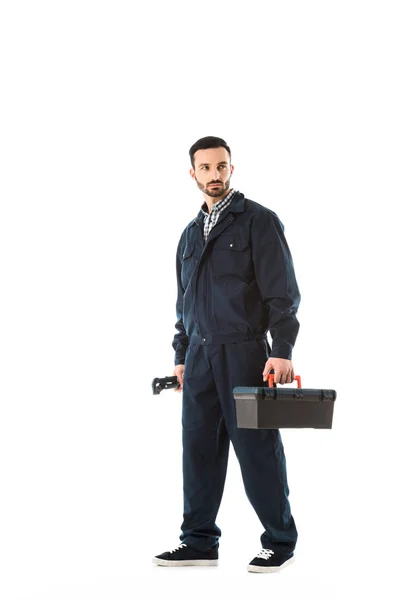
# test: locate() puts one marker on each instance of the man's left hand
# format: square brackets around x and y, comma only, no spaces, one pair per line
[283,369]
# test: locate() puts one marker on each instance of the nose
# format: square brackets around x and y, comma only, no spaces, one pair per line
[215,175]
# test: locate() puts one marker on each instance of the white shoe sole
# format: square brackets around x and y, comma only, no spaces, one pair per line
[185,563]
[256,569]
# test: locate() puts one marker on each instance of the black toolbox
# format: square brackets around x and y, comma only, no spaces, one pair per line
[271,407]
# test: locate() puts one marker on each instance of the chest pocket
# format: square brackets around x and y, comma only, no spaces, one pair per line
[189,262]
[231,256]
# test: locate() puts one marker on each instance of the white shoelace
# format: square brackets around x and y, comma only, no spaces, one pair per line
[178,548]
[265,554]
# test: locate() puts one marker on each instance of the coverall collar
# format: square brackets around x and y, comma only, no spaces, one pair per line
[236,205]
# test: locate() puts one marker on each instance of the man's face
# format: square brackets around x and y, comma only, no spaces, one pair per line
[212,171]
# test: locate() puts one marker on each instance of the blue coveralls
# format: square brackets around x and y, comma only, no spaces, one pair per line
[232,289]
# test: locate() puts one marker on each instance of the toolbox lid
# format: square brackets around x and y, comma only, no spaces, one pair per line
[265,392]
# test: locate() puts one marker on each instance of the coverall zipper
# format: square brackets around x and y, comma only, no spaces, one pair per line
[197,271]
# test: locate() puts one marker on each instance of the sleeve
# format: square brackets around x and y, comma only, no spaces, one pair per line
[277,283]
[180,341]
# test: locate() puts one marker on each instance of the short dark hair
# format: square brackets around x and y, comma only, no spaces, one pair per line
[208,142]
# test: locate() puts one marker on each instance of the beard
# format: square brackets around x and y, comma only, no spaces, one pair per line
[214,192]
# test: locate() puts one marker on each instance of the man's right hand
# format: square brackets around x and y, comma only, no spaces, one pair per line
[178,371]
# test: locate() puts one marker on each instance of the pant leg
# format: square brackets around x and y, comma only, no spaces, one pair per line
[260,451]
[205,451]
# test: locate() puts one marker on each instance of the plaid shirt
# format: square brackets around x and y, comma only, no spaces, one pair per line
[210,219]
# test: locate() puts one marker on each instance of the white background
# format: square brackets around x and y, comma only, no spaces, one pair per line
[100,102]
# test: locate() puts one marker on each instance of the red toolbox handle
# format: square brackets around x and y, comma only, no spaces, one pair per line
[271,380]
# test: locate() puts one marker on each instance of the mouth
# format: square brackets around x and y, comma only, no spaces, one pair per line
[215,184]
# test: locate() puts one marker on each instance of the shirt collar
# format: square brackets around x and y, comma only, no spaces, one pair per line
[216,207]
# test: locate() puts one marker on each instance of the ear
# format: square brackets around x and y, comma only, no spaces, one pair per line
[232,169]
[191,171]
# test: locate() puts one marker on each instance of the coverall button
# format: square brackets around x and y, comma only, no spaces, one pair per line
[204,339]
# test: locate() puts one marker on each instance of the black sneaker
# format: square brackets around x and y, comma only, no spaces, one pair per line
[267,561]
[184,556]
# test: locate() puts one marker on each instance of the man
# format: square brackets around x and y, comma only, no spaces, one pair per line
[236,281]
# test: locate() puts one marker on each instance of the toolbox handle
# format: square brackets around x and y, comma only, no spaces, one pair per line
[271,380]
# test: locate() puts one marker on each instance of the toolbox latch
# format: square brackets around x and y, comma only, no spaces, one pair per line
[328,395]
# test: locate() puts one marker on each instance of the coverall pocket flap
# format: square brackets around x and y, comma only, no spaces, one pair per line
[235,243]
